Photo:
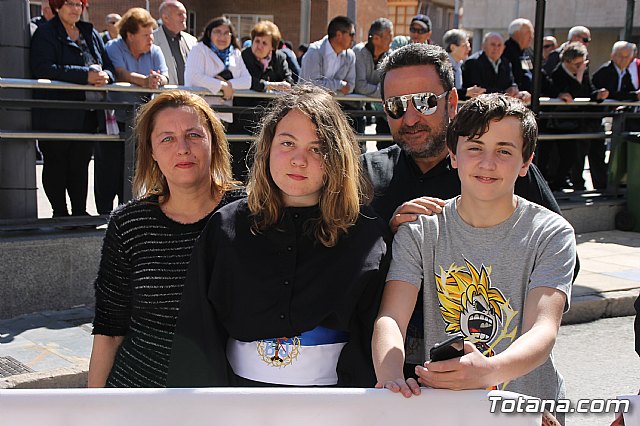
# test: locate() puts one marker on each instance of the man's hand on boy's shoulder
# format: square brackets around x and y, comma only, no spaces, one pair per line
[473,370]
[409,210]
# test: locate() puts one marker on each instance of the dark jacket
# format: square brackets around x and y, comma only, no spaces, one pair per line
[562,82]
[278,70]
[521,64]
[477,70]
[606,77]
[245,121]
[55,56]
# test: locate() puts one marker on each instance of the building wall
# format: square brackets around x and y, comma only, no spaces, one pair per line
[286,13]
[606,23]
[99,9]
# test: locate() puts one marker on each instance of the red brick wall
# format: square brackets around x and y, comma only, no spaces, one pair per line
[286,13]
[367,12]
[99,9]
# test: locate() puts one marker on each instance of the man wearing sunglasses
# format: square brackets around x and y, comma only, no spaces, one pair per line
[330,62]
[419,97]
[549,44]
[419,32]
[417,88]
[577,33]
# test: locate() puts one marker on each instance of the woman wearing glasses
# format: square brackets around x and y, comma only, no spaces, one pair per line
[68,49]
[216,64]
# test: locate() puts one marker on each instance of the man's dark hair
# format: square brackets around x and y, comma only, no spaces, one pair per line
[339,23]
[475,116]
[419,54]
[379,26]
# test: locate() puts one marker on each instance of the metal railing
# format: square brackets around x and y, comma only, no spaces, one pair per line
[607,108]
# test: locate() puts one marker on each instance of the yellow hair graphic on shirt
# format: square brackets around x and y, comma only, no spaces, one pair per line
[470,305]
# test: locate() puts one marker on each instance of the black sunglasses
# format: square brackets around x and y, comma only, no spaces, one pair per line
[418,30]
[426,103]
[546,46]
[351,34]
[586,40]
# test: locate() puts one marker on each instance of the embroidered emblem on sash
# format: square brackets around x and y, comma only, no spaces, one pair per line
[279,352]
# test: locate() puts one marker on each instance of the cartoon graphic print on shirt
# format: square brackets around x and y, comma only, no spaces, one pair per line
[470,305]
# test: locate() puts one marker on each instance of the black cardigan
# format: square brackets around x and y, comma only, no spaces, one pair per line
[278,70]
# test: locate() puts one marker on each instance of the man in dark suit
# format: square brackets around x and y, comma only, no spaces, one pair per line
[615,75]
[515,52]
[487,69]
[618,78]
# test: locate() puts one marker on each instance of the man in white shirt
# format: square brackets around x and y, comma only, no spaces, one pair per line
[330,62]
[174,42]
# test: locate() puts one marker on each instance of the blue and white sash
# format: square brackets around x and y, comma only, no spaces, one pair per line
[306,360]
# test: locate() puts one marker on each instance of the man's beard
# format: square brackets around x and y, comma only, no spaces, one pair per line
[432,146]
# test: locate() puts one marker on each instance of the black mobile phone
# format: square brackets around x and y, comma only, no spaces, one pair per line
[453,347]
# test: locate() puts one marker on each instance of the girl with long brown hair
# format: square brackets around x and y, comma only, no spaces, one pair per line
[284,287]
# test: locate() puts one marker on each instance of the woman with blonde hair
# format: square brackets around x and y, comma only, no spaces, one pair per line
[283,287]
[182,176]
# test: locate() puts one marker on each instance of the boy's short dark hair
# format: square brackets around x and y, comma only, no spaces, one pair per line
[474,118]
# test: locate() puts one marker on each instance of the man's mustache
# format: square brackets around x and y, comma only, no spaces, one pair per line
[415,128]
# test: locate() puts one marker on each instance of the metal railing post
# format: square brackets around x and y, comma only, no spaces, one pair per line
[129,156]
[617,154]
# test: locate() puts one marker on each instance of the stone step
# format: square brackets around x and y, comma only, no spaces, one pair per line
[590,211]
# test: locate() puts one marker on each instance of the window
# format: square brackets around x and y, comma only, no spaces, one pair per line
[35,9]
[244,23]
[400,13]
[191,23]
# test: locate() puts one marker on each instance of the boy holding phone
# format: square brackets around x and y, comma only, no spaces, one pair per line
[494,267]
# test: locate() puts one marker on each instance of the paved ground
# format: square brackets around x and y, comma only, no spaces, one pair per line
[598,361]
[52,349]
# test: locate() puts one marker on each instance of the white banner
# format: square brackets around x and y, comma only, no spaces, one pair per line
[252,406]
[632,417]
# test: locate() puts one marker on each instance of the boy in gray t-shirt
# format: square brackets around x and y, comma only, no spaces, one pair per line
[494,267]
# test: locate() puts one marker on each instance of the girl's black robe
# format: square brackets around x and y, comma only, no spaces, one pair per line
[280,282]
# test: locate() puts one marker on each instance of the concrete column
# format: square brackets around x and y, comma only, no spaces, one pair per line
[305,21]
[351,10]
[477,40]
[17,158]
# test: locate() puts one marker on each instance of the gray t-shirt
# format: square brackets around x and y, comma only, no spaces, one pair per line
[476,280]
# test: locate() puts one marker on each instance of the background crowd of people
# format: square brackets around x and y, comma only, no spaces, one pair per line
[135,48]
